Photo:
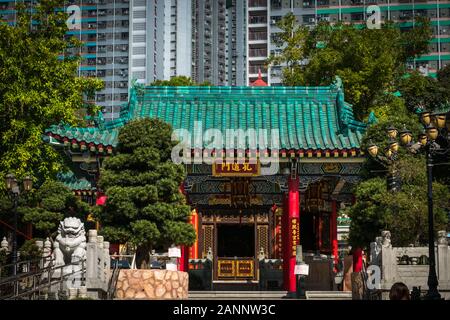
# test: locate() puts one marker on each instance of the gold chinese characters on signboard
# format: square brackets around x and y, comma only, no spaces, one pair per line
[236,169]
[232,268]
[295,236]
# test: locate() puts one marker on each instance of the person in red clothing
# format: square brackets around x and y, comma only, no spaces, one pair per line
[357,260]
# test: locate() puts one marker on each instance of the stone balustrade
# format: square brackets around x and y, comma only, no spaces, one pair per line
[97,267]
[98,264]
[410,264]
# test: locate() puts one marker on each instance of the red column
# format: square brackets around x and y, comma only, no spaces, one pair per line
[285,242]
[291,234]
[193,250]
[334,241]
[184,259]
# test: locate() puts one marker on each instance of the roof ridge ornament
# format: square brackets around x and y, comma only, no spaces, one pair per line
[99,120]
[259,82]
[372,119]
[337,83]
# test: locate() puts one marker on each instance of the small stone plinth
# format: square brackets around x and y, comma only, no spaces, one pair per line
[152,284]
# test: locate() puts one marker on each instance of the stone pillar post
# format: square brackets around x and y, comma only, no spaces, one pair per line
[388,260]
[107,264]
[92,260]
[101,260]
[4,245]
[443,257]
[47,252]
[40,245]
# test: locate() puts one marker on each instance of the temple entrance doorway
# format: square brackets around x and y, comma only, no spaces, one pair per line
[308,232]
[235,252]
[235,240]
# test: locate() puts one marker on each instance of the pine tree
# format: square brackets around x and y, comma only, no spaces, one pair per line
[144,204]
[51,203]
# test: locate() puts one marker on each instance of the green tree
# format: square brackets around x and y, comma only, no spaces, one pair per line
[144,205]
[37,88]
[421,91]
[369,61]
[443,76]
[404,213]
[292,40]
[179,81]
[45,208]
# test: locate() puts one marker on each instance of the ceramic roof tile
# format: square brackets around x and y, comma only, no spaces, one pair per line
[307,118]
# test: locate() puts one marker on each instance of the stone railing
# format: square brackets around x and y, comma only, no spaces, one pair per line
[98,265]
[410,264]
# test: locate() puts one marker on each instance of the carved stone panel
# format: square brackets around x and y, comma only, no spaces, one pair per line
[262,239]
[208,239]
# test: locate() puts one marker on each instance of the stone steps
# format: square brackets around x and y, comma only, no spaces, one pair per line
[328,295]
[236,295]
[265,295]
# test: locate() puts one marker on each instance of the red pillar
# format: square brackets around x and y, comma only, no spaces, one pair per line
[334,241]
[285,242]
[193,250]
[184,259]
[291,234]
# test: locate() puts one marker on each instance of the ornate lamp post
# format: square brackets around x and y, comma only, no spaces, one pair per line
[389,158]
[434,141]
[14,193]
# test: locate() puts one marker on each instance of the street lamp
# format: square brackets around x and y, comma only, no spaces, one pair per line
[389,156]
[436,128]
[14,193]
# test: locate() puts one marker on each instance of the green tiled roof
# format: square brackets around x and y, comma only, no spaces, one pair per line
[308,118]
[73,183]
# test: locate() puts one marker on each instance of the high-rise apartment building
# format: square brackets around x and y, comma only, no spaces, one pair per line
[236,41]
[209,41]
[225,42]
[103,27]
[160,39]
[258,40]
[310,12]
[261,17]
[125,40]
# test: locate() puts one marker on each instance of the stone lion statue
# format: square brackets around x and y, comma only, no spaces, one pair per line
[69,247]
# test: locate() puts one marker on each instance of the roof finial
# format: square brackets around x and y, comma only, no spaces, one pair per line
[259,82]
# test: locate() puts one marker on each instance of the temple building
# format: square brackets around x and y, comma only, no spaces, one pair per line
[243,210]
